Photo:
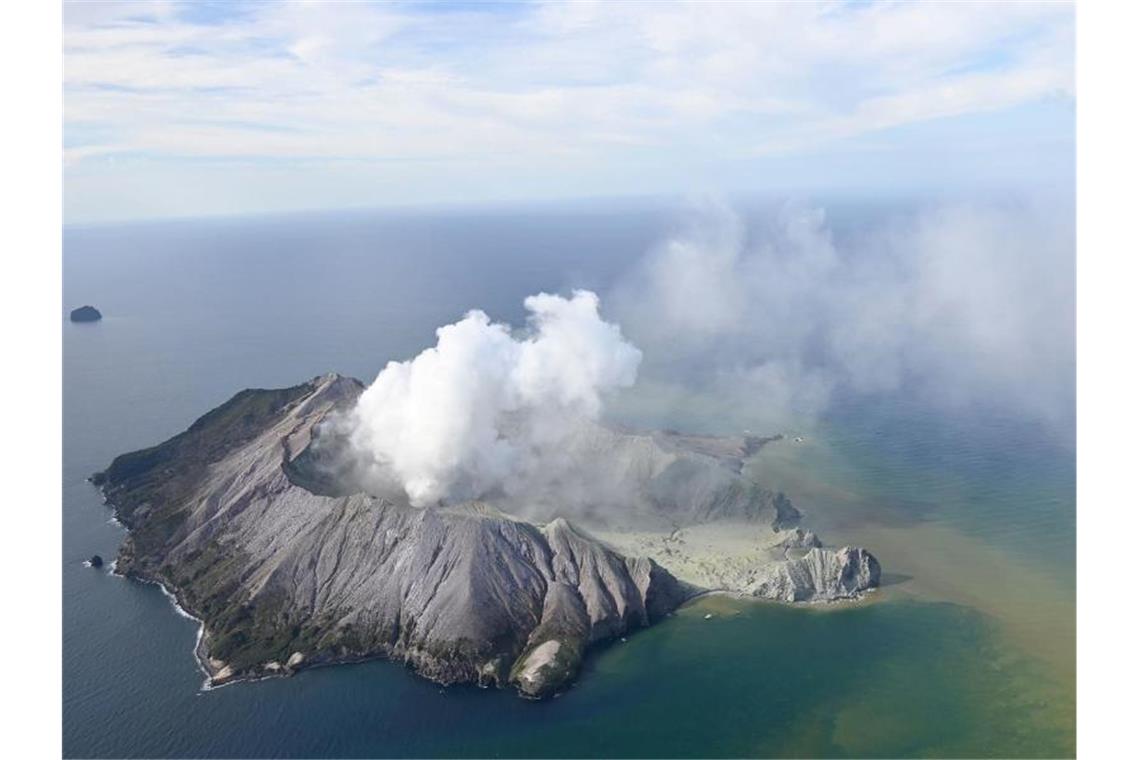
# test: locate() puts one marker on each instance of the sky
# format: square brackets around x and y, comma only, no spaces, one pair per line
[200,108]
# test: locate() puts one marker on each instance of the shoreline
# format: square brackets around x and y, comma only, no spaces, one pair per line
[936,561]
[171,596]
[726,543]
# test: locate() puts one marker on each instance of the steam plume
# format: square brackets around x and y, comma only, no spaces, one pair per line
[961,304]
[465,416]
[756,326]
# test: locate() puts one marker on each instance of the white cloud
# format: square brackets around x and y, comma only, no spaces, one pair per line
[476,410]
[969,304]
[558,85]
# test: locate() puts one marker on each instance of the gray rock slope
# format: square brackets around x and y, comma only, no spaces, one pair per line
[287,567]
[283,577]
[819,575]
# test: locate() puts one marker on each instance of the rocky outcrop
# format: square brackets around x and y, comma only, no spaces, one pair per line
[85,314]
[820,575]
[595,594]
[257,525]
[798,538]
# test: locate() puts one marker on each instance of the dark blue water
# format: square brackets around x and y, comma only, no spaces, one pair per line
[194,311]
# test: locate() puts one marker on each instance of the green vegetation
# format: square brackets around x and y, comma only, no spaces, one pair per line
[148,489]
[158,476]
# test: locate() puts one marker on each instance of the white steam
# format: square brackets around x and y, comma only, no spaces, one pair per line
[964,304]
[466,416]
[757,325]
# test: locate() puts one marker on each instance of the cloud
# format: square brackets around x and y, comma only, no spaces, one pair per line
[762,322]
[474,412]
[537,89]
[962,304]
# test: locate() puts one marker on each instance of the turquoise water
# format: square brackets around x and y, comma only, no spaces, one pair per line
[967,651]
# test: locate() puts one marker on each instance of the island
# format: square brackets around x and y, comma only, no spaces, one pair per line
[86,314]
[252,523]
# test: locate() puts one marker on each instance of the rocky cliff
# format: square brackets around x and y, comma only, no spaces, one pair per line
[819,575]
[265,537]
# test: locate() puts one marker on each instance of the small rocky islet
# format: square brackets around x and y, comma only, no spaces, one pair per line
[288,563]
[86,314]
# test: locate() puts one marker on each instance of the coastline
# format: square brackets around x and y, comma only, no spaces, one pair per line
[171,596]
[174,602]
[724,531]
[931,559]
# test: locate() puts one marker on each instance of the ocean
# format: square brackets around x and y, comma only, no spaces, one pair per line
[967,650]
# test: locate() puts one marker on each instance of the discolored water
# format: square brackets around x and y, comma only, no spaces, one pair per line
[967,651]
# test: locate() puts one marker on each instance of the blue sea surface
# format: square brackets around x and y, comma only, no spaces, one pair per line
[197,310]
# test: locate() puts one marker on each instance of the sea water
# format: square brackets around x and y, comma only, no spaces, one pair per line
[966,651]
